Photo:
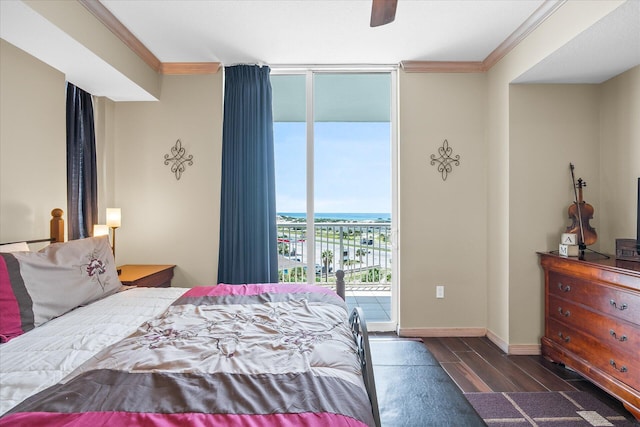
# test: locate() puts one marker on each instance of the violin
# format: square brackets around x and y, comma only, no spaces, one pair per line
[580,213]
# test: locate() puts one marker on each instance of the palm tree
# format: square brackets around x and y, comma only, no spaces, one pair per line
[360,253]
[283,248]
[327,259]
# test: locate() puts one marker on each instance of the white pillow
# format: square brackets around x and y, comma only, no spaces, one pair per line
[38,286]
[14,247]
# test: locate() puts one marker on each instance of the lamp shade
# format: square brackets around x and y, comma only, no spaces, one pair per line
[100,230]
[113,217]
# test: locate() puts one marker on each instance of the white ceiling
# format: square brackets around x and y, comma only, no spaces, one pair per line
[320,32]
[608,48]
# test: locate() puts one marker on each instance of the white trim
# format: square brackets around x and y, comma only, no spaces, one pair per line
[311,235]
[525,349]
[546,9]
[502,344]
[298,69]
[442,332]
[381,326]
[395,204]
[515,349]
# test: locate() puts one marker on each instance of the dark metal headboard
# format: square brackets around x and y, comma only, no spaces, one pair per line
[29,241]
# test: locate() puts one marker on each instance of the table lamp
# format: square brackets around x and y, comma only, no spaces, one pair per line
[113,221]
[100,230]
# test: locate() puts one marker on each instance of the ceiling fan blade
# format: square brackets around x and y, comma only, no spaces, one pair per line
[383,12]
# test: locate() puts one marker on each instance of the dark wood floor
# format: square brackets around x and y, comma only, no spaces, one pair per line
[478,365]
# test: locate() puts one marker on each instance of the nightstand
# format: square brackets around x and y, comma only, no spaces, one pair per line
[147,276]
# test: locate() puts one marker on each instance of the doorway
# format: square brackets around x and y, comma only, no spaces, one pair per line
[335,156]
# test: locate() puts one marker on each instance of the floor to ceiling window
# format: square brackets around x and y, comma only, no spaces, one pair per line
[335,188]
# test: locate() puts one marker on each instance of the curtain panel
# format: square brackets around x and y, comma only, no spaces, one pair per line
[82,181]
[248,233]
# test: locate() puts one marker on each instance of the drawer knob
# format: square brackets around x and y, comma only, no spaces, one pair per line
[566,313]
[615,305]
[621,369]
[564,288]
[564,338]
[614,335]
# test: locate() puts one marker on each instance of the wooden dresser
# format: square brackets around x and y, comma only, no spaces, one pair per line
[592,321]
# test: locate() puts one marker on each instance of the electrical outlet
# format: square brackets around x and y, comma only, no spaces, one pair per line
[439,291]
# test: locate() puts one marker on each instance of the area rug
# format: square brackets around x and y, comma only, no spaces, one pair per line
[546,409]
[413,389]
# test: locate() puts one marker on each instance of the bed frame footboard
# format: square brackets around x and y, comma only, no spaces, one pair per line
[361,336]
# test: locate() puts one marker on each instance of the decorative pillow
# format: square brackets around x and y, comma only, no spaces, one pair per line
[15,247]
[35,287]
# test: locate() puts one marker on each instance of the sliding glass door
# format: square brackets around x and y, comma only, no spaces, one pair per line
[334,134]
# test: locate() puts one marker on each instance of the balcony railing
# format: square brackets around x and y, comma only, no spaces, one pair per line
[361,250]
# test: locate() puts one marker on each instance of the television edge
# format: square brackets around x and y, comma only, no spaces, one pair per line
[638,225]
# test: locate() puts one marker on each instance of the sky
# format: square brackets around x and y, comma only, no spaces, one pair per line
[352,167]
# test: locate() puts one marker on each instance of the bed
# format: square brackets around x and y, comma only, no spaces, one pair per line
[254,355]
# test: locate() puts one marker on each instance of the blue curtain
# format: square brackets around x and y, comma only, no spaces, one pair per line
[248,240]
[82,181]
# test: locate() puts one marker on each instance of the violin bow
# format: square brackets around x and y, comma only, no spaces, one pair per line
[575,195]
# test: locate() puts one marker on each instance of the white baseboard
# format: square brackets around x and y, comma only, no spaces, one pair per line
[502,344]
[525,349]
[442,332]
[514,349]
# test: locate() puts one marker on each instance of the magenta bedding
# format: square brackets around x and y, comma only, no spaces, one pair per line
[250,355]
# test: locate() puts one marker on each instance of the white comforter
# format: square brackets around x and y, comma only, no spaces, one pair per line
[45,355]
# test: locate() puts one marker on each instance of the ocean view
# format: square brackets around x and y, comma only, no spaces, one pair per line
[335,217]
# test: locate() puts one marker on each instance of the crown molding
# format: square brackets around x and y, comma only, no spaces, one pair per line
[103,14]
[115,26]
[189,67]
[442,67]
[545,10]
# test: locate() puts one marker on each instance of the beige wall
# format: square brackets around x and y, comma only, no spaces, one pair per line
[32,145]
[442,223]
[619,158]
[506,267]
[596,128]
[165,220]
[549,127]
[529,135]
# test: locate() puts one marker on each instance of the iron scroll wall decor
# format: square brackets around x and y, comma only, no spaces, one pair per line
[444,161]
[178,159]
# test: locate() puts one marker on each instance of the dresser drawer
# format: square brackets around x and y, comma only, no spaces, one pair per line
[592,321]
[609,300]
[618,335]
[617,364]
